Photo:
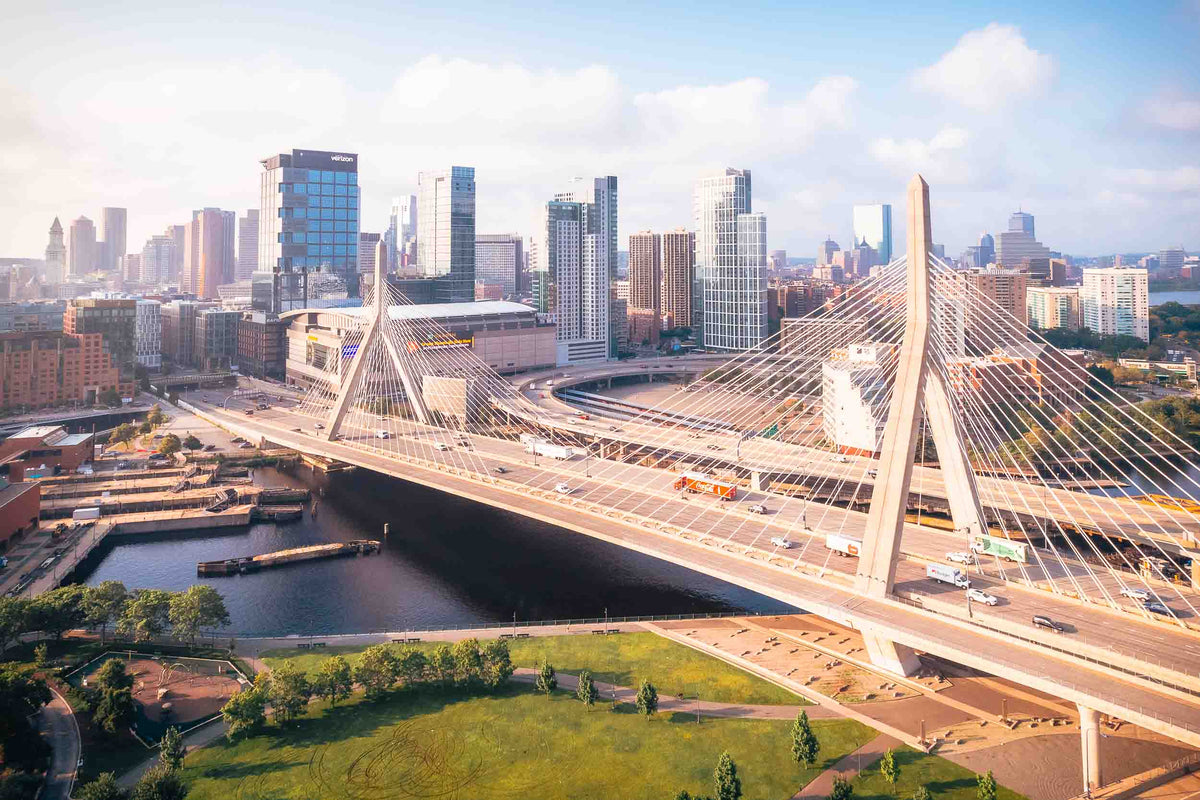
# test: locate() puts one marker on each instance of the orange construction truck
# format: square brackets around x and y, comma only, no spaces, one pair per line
[696,483]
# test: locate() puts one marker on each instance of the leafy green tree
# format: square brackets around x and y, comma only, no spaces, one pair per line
[335,681]
[59,610]
[171,749]
[289,692]
[41,656]
[806,748]
[468,663]
[159,783]
[145,428]
[586,690]
[114,686]
[21,695]
[156,415]
[986,786]
[245,711]
[922,793]
[888,768]
[105,787]
[103,605]
[684,794]
[497,664]
[122,434]
[170,445]
[15,619]
[191,442]
[145,615]
[647,699]
[726,782]
[110,397]
[441,665]
[201,606]
[412,665]
[376,670]
[842,790]
[546,681]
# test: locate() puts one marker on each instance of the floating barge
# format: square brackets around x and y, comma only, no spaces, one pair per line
[279,496]
[239,566]
[278,513]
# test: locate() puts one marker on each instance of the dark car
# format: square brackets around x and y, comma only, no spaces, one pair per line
[1154,607]
[1040,621]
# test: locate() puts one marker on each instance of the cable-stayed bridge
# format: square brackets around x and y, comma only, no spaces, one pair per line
[911,390]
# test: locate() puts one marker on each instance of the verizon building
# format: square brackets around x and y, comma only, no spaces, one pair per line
[308,223]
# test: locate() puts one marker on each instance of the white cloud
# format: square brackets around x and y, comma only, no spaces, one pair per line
[942,159]
[987,69]
[1173,111]
[1180,180]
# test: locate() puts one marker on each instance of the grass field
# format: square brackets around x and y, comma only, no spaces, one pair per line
[624,659]
[944,779]
[514,745]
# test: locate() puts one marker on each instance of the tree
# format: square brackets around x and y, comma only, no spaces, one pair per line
[986,789]
[191,442]
[145,615]
[726,782]
[289,692]
[156,415]
[586,691]
[15,619]
[647,699]
[122,434]
[376,670]
[684,794]
[159,783]
[110,397]
[888,768]
[145,428]
[805,745]
[21,694]
[103,788]
[497,664]
[922,793]
[59,610]
[41,656]
[441,664]
[170,445]
[412,665]
[468,663]
[546,681]
[842,790]
[114,710]
[103,605]
[200,606]
[171,749]
[245,711]
[335,681]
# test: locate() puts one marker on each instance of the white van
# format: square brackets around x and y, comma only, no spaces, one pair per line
[562,488]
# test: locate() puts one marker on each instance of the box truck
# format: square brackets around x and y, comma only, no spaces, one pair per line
[697,483]
[945,574]
[843,545]
[1001,548]
[85,514]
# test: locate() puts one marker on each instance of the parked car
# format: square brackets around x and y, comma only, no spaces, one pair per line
[980,596]
[246,446]
[1042,621]
[1155,607]
[958,558]
[757,508]
[1141,595]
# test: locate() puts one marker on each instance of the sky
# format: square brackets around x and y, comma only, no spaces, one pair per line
[1085,114]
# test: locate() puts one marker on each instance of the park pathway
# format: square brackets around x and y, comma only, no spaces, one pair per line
[57,724]
[849,766]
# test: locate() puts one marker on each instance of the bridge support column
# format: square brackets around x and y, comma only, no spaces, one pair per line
[1089,731]
[757,484]
[1194,573]
[889,656]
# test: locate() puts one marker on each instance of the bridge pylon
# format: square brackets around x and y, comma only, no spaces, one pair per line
[917,382]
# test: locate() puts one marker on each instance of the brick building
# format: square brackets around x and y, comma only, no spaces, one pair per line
[47,446]
[20,508]
[48,368]
[116,319]
[262,345]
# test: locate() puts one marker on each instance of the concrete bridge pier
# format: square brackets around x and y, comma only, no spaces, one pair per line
[1089,732]
[889,656]
[757,484]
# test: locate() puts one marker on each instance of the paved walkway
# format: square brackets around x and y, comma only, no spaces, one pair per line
[57,724]
[193,741]
[820,787]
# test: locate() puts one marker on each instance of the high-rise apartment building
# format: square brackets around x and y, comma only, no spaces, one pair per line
[569,285]
[678,273]
[114,221]
[1053,307]
[873,225]
[1018,243]
[179,330]
[56,255]
[158,255]
[215,340]
[446,231]
[1115,301]
[81,249]
[148,335]
[599,198]
[996,308]
[308,222]
[499,258]
[247,250]
[645,271]
[116,320]
[731,263]
[208,252]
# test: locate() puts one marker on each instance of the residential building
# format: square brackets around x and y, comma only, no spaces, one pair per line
[32,315]
[114,221]
[488,291]
[445,246]
[81,250]
[996,307]
[730,298]
[158,257]
[368,244]
[247,249]
[825,252]
[1019,242]
[130,268]
[51,368]
[308,222]
[811,340]
[1115,301]
[873,225]
[116,320]
[854,396]
[645,271]
[499,258]
[215,341]
[601,258]
[148,334]
[1019,375]
[1053,307]
[677,262]
[179,330]
[56,255]
[208,252]
[262,345]
[645,326]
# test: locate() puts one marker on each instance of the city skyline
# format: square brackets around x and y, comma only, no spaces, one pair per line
[1107,173]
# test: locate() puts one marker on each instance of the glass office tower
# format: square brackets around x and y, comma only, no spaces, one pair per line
[873,224]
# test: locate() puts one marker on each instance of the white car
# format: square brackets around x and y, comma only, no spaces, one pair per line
[841,459]
[382,434]
[441,447]
[980,596]
[1141,595]
[757,508]
[562,488]
[958,558]
[781,541]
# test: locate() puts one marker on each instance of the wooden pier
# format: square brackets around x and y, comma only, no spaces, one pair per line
[239,566]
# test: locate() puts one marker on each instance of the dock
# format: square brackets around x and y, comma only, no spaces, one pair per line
[247,564]
[280,513]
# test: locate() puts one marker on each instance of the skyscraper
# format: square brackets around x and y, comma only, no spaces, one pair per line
[158,254]
[208,252]
[81,249]
[178,235]
[114,220]
[572,283]
[1020,221]
[645,270]
[1018,242]
[873,224]
[56,254]
[247,255]
[678,271]
[826,250]
[498,261]
[308,222]
[599,197]
[446,231]
[402,229]
[1115,301]
[731,263]
[368,243]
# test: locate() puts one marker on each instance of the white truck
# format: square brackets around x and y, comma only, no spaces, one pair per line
[843,545]
[83,514]
[547,449]
[945,574]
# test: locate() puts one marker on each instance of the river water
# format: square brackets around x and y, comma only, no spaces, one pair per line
[446,562]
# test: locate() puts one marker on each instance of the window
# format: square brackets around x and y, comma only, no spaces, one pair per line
[314,202]
[339,177]
[313,188]
[326,213]
[339,213]
[314,175]
[326,202]
[339,190]
[339,202]
[327,176]
[339,226]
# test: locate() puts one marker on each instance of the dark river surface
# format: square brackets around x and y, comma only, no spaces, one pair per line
[447,562]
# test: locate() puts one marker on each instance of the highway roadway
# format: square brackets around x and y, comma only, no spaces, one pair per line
[1070,665]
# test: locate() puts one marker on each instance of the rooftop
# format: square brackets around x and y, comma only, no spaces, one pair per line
[479,308]
[39,432]
[74,439]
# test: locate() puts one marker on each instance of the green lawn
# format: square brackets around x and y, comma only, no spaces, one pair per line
[514,745]
[944,779]
[624,659]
